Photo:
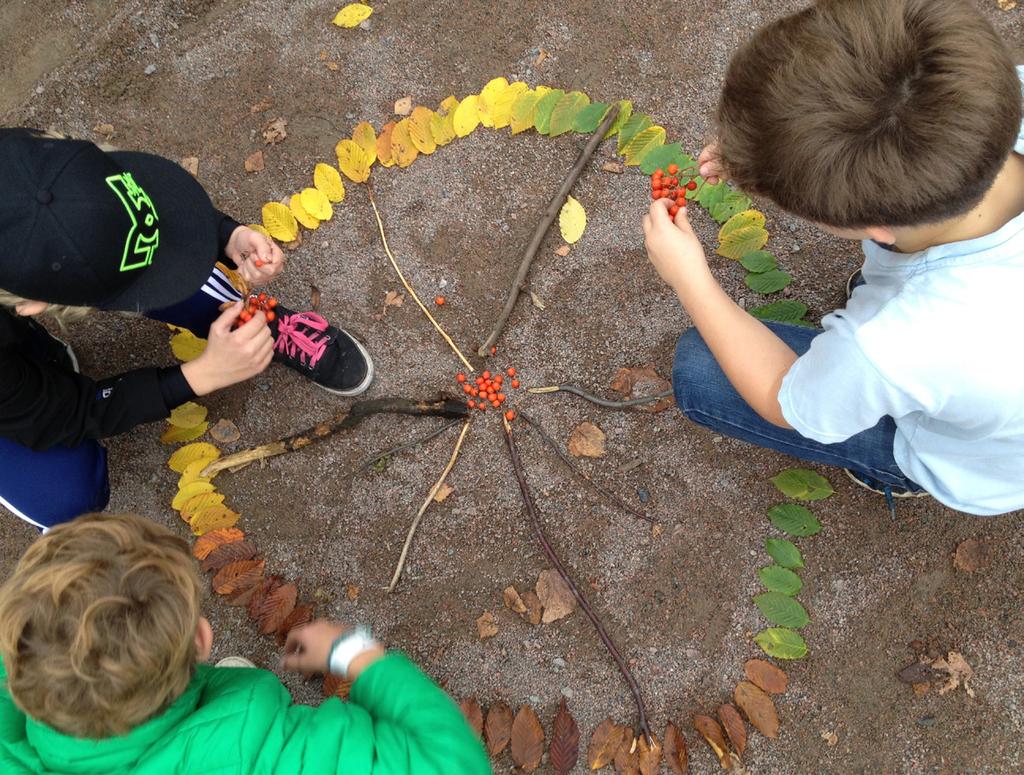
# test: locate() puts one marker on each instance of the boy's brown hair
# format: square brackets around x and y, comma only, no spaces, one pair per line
[98,623]
[857,113]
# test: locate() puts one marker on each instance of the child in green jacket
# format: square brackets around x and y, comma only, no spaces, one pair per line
[103,647]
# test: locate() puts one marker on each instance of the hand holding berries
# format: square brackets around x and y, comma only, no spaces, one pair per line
[233,354]
[259,259]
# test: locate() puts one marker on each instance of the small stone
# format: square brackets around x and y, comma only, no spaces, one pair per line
[443,283]
[796,247]
[568,693]
[534,699]
[692,654]
[558,662]
[716,439]
[264,386]
[39,90]
[366,25]
[643,495]
[150,69]
[154,40]
[926,721]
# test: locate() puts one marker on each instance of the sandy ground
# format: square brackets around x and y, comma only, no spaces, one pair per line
[678,603]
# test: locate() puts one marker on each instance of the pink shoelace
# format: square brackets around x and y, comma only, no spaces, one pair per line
[297,336]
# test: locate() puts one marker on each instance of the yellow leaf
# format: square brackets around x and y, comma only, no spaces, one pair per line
[441,129]
[572,220]
[501,108]
[213,518]
[353,161]
[467,116]
[746,218]
[364,136]
[258,228]
[403,150]
[419,129]
[486,101]
[384,145]
[352,15]
[742,240]
[186,346]
[302,215]
[190,453]
[192,471]
[199,502]
[542,90]
[188,415]
[177,435]
[188,492]
[449,103]
[234,276]
[328,180]
[279,222]
[641,145]
[523,111]
[316,203]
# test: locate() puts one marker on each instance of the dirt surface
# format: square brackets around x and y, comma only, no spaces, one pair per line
[680,602]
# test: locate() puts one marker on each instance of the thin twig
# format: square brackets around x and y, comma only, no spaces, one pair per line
[409,288]
[426,503]
[407,445]
[549,552]
[553,208]
[597,399]
[610,496]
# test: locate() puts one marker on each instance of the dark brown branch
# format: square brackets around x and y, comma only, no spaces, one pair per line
[549,552]
[553,208]
[407,445]
[443,407]
[609,496]
[597,399]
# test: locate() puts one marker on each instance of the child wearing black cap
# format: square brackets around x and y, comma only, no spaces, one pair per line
[81,228]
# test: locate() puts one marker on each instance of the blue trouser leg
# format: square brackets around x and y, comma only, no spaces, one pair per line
[706,396]
[198,311]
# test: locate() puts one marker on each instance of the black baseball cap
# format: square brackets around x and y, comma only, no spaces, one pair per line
[118,230]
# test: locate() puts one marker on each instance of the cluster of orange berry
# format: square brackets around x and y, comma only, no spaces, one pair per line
[488,390]
[257,302]
[671,187]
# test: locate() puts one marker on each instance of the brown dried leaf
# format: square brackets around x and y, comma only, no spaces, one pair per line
[474,715]
[486,626]
[254,162]
[104,129]
[228,553]
[300,616]
[403,107]
[562,251]
[627,758]
[213,540]
[959,672]
[758,707]
[605,743]
[513,601]
[734,727]
[314,298]
[766,676]
[260,107]
[443,492]
[917,673]
[830,737]
[225,432]
[614,167]
[537,301]
[191,164]
[331,66]
[555,595]
[498,728]
[352,592]
[541,56]
[972,555]
[676,753]
[712,733]
[261,590]
[237,576]
[336,686]
[1006,5]
[527,740]
[587,440]
[650,756]
[534,608]
[275,607]
[275,131]
[295,244]
[394,299]
[565,741]
[641,382]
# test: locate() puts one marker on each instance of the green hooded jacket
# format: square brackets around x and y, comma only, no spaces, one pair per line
[241,721]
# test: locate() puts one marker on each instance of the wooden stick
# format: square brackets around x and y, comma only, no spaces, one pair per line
[610,496]
[607,404]
[553,208]
[407,445]
[549,552]
[444,407]
[409,288]
[426,503]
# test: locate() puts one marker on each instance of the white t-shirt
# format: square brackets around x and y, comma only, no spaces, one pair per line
[935,340]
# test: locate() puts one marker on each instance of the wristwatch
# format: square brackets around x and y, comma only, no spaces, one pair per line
[348,647]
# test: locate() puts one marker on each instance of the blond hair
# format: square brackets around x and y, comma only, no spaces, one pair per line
[62,314]
[98,623]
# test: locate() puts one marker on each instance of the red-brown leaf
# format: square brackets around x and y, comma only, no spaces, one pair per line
[336,686]
[676,753]
[474,715]
[766,675]
[627,759]
[300,615]
[498,728]
[650,755]
[734,726]
[604,744]
[228,553]
[270,583]
[565,741]
[207,542]
[527,740]
[237,576]
[275,607]
[712,733]
[759,708]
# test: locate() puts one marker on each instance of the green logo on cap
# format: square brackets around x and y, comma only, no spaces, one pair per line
[144,236]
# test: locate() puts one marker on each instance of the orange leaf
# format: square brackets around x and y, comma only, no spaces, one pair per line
[650,755]
[758,707]
[676,753]
[474,715]
[336,686]
[384,145]
[498,728]
[237,576]
[275,607]
[228,553]
[712,733]
[527,740]
[604,744]
[734,726]
[766,675]
[214,540]
[627,758]
[565,741]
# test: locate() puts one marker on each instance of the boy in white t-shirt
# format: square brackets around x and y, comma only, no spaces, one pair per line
[896,122]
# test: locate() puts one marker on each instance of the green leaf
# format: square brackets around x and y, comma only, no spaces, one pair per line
[803,484]
[768,282]
[793,519]
[784,552]
[523,111]
[782,609]
[625,112]
[695,193]
[565,112]
[642,144]
[733,203]
[778,579]
[634,126]
[781,643]
[759,261]
[545,106]
[661,157]
[710,196]
[784,311]
[590,117]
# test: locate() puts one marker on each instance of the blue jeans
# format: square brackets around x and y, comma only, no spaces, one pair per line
[706,396]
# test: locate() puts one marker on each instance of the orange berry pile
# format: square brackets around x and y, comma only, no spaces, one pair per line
[257,302]
[670,186]
[489,389]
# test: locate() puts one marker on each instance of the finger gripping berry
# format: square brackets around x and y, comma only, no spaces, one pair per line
[257,302]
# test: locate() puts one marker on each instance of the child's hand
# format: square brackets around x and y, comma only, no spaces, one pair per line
[672,247]
[230,356]
[710,165]
[259,259]
[308,649]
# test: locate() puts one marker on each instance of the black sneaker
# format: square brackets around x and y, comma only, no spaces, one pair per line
[890,492]
[332,358]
